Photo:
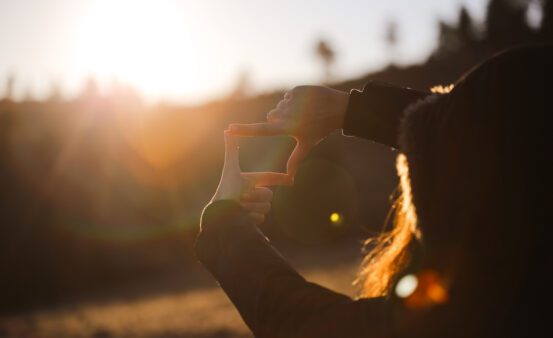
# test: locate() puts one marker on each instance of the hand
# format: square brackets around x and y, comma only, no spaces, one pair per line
[257,202]
[307,113]
[249,189]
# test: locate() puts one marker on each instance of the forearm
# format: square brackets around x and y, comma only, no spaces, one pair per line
[240,257]
[294,308]
[272,298]
[375,113]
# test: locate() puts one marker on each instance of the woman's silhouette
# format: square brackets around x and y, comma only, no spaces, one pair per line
[468,255]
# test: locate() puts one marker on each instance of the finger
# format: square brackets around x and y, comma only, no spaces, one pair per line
[256,217]
[258,194]
[300,152]
[231,153]
[259,207]
[275,115]
[258,129]
[267,179]
[288,95]
[282,104]
[247,183]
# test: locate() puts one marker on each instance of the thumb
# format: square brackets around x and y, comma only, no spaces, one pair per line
[300,152]
[258,129]
[230,184]
[232,164]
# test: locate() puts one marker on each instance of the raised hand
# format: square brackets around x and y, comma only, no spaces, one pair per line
[249,189]
[307,113]
[257,202]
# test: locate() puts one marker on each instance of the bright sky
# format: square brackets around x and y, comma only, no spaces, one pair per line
[194,50]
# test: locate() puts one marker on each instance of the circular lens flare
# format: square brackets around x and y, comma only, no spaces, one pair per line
[336,219]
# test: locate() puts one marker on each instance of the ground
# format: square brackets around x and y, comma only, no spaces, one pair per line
[198,312]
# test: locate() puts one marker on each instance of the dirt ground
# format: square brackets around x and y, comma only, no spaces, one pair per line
[199,312]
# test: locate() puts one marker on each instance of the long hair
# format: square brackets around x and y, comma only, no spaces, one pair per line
[388,253]
[475,178]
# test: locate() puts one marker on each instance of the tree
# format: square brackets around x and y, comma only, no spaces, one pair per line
[10,83]
[28,96]
[547,21]
[466,28]
[448,39]
[326,54]
[243,87]
[90,90]
[55,94]
[391,39]
[506,22]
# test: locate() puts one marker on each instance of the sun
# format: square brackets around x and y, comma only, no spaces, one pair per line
[147,44]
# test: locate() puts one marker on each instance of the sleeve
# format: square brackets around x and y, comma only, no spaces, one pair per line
[375,112]
[272,298]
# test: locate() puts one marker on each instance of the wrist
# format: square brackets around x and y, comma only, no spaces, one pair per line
[341,104]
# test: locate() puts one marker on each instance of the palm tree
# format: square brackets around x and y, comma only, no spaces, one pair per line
[327,56]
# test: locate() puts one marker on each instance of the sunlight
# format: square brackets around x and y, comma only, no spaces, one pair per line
[147,44]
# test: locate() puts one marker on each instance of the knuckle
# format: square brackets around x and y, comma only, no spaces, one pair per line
[303,89]
[281,104]
[264,194]
[273,113]
[297,90]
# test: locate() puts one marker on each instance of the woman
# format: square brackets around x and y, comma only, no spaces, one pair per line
[467,256]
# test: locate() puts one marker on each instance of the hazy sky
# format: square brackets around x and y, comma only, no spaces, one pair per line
[191,50]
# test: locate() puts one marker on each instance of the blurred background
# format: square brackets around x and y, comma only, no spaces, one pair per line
[111,120]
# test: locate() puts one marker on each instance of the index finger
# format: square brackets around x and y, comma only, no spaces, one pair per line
[300,152]
[258,129]
[267,179]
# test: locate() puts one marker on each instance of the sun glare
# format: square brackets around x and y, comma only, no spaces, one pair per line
[147,44]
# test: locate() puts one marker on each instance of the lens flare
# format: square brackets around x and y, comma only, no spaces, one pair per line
[336,219]
[406,286]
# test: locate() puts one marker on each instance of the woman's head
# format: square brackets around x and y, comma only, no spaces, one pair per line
[473,170]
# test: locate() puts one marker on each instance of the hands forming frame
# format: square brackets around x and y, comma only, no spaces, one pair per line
[306,113]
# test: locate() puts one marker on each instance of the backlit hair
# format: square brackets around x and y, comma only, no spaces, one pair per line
[388,253]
